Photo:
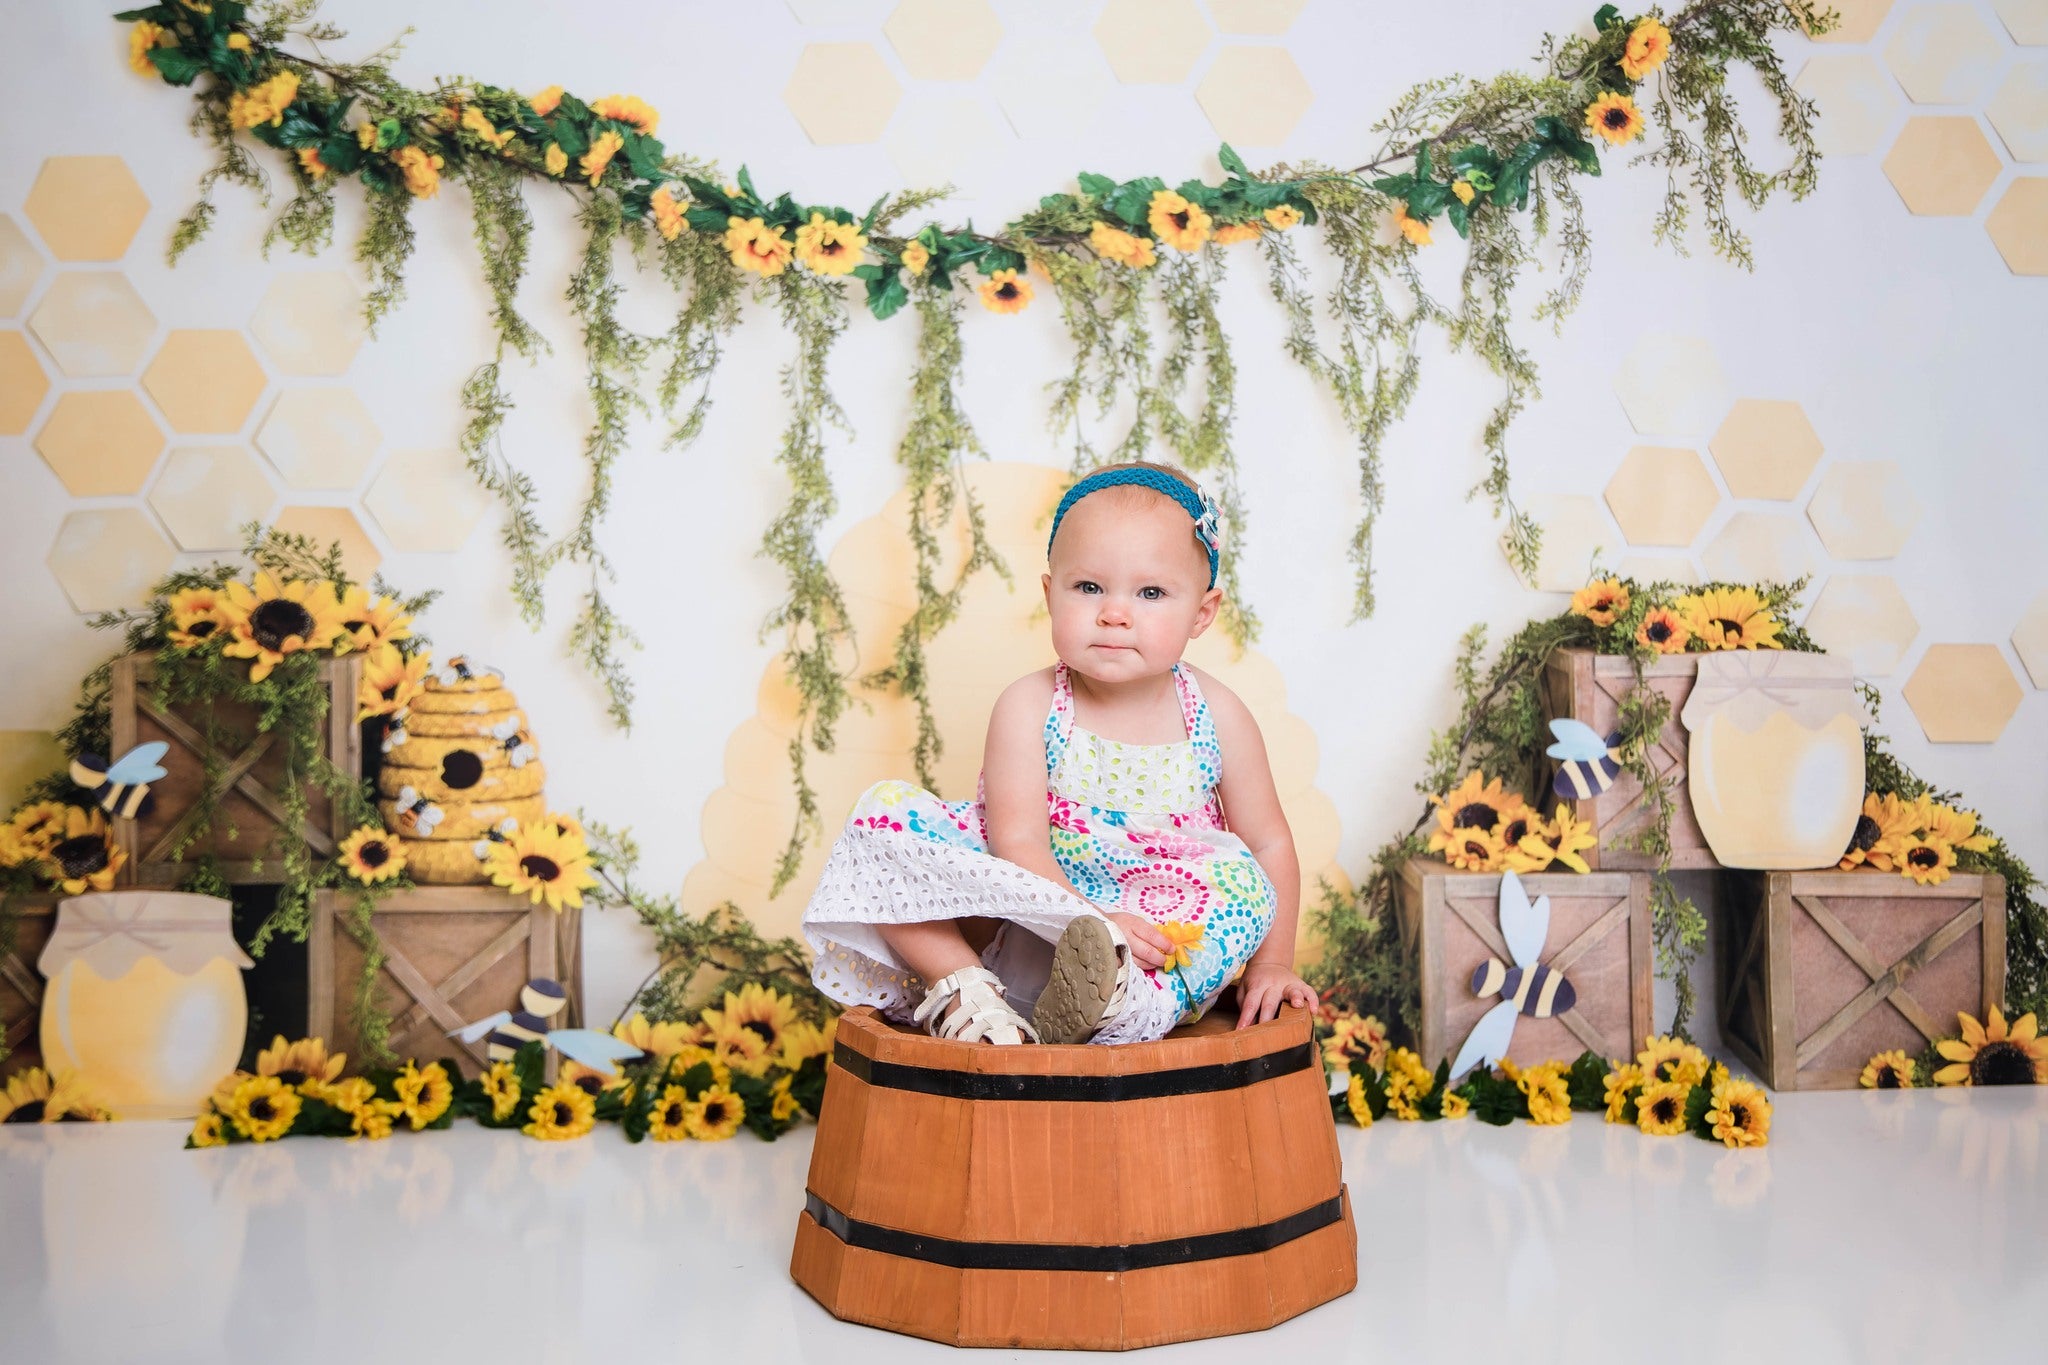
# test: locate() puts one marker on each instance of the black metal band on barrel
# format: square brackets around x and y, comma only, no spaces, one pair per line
[944,1251]
[1142,1085]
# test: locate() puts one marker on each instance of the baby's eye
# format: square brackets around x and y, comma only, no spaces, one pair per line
[1152,594]
[1085,585]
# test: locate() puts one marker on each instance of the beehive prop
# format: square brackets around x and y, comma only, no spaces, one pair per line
[464,762]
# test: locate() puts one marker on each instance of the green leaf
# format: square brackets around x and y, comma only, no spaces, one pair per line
[1262,196]
[1133,199]
[1232,162]
[645,155]
[746,183]
[874,211]
[887,294]
[176,65]
[1427,199]
[1698,1100]
[341,154]
[1460,216]
[707,220]
[1606,17]
[529,1064]
[1586,1082]
[1000,258]
[572,110]
[1101,186]
[809,1085]
[297,130]
[568,136]
[1473,160]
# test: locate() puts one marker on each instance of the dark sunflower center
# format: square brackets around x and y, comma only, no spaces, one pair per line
[292,1077]
[277,620]
[1738,1114]
[1664,1110]
[564,1115]
[539,868]
[199,630]
[1888,1079]
[461,770]
[81,855]
[1617,117]
[1867,832]
[714,1112]
[1658,631]
[1924,856]
[1180,220]
[2002,1063]
[1475,815]
[1732,629]
[32,1112]
[389,693]
[261,1110]
[374,853]
[762,1028]
[1007,290]
[354,627]
[590,1085]
[1515,830]
[672,1117]
[1475,849]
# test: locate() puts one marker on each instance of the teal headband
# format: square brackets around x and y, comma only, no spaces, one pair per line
[1196,504]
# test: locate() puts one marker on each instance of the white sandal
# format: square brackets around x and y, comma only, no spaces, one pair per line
[1090,981]
[983,1015]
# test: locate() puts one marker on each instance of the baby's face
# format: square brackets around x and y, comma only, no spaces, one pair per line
[1128,588]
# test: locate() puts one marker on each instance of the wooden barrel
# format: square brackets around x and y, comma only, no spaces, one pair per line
[1095,1198]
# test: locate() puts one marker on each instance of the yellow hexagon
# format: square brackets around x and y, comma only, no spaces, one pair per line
[205,381]
[1859,98]
[334,525]
[2018,225]
[100,442]
[1863,510]
[1152,42]
[1866,618]
[934,140]
[20,266]
[2030,640]
[1672,385]
[2019,111]
[842,93]
[310,322]
[206,494]
[1254,95]
[1857,21]
[1757,547]
[86,208]
[1944,54]
[944,40]
[2026,20]
[1941,165]
[22,384]
[1049,85]
[319,438]
[1963,694]
[426,500]
[25,757]
[94,324]
[107,559]
[1263,18]
[1661,495]
[1766,449]
[1576,533]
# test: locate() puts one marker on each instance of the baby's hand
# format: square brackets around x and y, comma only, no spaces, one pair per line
[1148,946]
[1264,987]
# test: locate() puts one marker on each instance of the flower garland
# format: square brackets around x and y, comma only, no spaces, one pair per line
[33,1095]
[1988,1053]
[1477,154]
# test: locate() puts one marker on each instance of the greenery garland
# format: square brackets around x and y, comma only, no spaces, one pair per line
[1477,154]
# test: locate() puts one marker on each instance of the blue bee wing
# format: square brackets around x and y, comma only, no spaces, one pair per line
[1488,1041]
[139,764]
[595,1050]
[1523,925]
[1576,741]
[471,1032]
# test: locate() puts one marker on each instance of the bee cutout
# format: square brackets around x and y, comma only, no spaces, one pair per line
[460,668]
[1528,987]
[394,733]
[540,1001]
[122,787]
[519,750]
[502,832]
[417,815]
[1587,764]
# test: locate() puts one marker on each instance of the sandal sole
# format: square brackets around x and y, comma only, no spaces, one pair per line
[1084,969]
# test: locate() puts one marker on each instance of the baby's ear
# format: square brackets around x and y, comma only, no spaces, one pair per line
[1212,602]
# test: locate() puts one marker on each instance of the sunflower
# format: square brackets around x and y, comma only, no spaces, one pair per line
[1282,217]
[782,1106]
[1355,1101]
[1926,858]
[1649,43]
[346,1095]
[367,622]
[1888,1071]
[679,1065]
[667,1122]
[755,246]
[26,1098]
[86,857]
[589,1079]
[500,1084]
[1416,230]
[1615,117]
[1230,234]
[1182,225]
[1563,839]
[628,109]
[1992,1054]
[37,828]
[207,1131]
[273,619]
[371,856]
[915,257]
[803,1040]
[1740,1115]
[1886,822]
[714,1116]
[424,1093]
[1356,1043]
[660,1041]
[1471,850]
[141,39]
[478,122]
[1548,1093]
[1621,1084]
[1660,1109]
[1665,1058]
[544,103]
[1602,601]
[1663,632]
[1730,618]
[555,159]
[829,247]
[390,681]
[373,1119]
[738,1048]
[544,864]
[1455,1106]
[1957,827]
[1464,190]
[264,103]
[560,1112]
[1125,248]
[421,169]
[598,159]
[1005,292]
[1477,804]
[198,616]
[296,1064]
[667,214]
[761,1010]
[263,1108]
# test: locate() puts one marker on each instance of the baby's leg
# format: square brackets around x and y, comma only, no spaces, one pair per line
[934,949]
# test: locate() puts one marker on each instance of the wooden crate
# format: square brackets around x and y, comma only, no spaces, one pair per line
[1580,685]
[452,954]
[1599,938]
[1817,972]
[21,984]
[250,812]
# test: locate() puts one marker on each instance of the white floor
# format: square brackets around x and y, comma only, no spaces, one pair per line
[1875,1228]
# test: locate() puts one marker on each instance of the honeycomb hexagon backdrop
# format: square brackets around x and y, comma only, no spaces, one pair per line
[86,208]
[22,383]
[1863,509]
[2018,225]
[1257,18]
[94,324]
[1766,449]
[1152,42]
[1857,20]
[1049,84]
[1865,617]
[842,93]
[999,636]
[1943,54]
[1942,165]
[21,265]
[1672,386]
[106,558]
[2019,111]
[100,442]
[1860,99]
[206,494]
[1662,495]
[1963,694]
[319,438]
[1254,95]
[206,382]
[2025,20]
[944,40]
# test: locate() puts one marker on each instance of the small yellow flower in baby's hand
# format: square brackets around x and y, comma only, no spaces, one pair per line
[1182,936]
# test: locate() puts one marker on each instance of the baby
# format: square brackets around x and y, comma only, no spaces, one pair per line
[1128,872]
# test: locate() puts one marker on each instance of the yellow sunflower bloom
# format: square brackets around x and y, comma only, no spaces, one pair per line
[371,856]
[1563,840]
[1663,631]
[35,829]
[1471,850]
[141,39]
[207,1131]
[1660,1109]
[1230,234]
[544,103]
[803,1040]
[310,163]
[348,1094]
[1282,217]
[389,681]
[755,246]
[1883,825]
[199,616]
[668,1122]
[1649,43]
[1180,936]
[1957,828]
[299,1063]
[86,858]
[1005,292]
[478,122]
[1124,248]
[421,169]
[543,864]
[1621,1084]
[1992,1054]
[272,619]
[1614,116]
[659,1041]
[263,1108]
[766,1013]
[603,148]
[629,109]
[1740,1115]
[560,1112]
[915,257]
[667,212]
[1665,1058]
[1548,1093]
[1926,858]
[1602,602]
[1730,618]
[501,1087]
[373,1119]
[1476,803]
[1888,1071]
[424,1093]
[555,160]
[589,1079]
[264,102]
[1455,1106]
[1182,225]
[1356,1042]
[715,1115]
[679,1065]
[1355,1102]
[1463,189]
[26,1097]
[366,136]
[1414,229]
[829,247]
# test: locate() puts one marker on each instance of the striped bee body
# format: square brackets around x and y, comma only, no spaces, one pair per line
[1538,991]
[1583,779]
[121,787]
[507,1038]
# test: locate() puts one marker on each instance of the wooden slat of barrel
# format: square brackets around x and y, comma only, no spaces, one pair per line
[1310,1271]
[913,1173]
[1012,1142]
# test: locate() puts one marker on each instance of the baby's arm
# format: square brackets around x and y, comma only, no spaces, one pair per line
[1252,806]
